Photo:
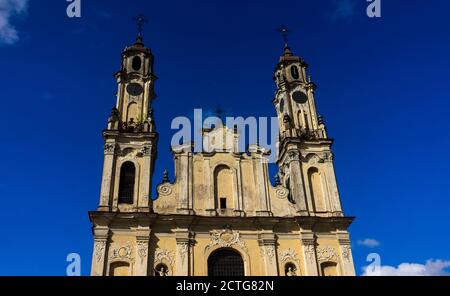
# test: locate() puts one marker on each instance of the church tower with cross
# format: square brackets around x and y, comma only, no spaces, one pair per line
[220,215]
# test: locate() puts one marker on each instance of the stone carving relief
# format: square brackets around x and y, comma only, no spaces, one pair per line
[314,159]
[269,251]
[346,252]
[293,156]
[282,192]
[164,189]
[309,252]
[99,248]
[109,148]
[128,153]
[326,254]
[164,256]
[183,250]
[289,255]
[145,151]
[226,238]
[328,156]
[142,249]
[122,252]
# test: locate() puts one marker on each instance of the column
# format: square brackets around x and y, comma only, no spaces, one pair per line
[99,258]
[141,262]
[208,180]
[309,253]
[108,173]
[262,207]
[296,182]
[146,178]
[348,267]
[267,243]
[182,253]
[331,178]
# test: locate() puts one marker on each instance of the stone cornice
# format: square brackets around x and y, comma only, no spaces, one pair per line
[101,218]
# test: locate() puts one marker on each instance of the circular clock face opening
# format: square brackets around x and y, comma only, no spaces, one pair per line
[134,89]
[299,97]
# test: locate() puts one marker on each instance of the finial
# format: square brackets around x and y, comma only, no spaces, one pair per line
[284,31]
[166,177]
[140,21]
[277,180]
[320,119]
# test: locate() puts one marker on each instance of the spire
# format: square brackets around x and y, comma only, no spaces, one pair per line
[284,31]
[140,21]
[166,177]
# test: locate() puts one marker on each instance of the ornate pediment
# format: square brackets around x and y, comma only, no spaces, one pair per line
[226,238]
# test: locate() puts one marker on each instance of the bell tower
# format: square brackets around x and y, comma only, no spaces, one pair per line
[130,137]
[305,159]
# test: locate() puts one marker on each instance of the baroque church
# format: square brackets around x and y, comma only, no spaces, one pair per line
[221,215]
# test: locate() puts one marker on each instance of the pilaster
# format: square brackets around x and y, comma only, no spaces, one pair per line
[142,240]
[268,245]
[309,253]
[99,259]
[348,267]
[183,241]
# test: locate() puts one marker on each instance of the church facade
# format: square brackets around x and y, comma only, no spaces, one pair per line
[221,215]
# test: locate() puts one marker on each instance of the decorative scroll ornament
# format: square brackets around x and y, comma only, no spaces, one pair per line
[314,159]
[326,254]
[269,251]
[165,189]
[346,252]
[123,252]
[163,255]
[183,250]
[293,156]
[142,249]
[288,255]
[145,151]
[99,249]
[282,192]
[109,148]
[309,252]
[328,156]
[226,238]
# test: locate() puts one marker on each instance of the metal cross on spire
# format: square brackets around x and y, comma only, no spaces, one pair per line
[284,31]
[140,21]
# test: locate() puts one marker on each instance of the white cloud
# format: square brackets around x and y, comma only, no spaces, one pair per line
[8,9]
[368,242]
[430,268]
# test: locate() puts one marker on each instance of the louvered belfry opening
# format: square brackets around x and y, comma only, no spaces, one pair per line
[126,186]
[225,262]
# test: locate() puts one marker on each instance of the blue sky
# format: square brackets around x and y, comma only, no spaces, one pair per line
[382,88]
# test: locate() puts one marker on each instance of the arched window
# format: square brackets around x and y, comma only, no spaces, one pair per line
[161,270]
[225,262]
[136,63]
[126,183]
[290,269]
[119,269]
[316,188]
[223,183]
[329,269]
[294,72]
[132,112]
